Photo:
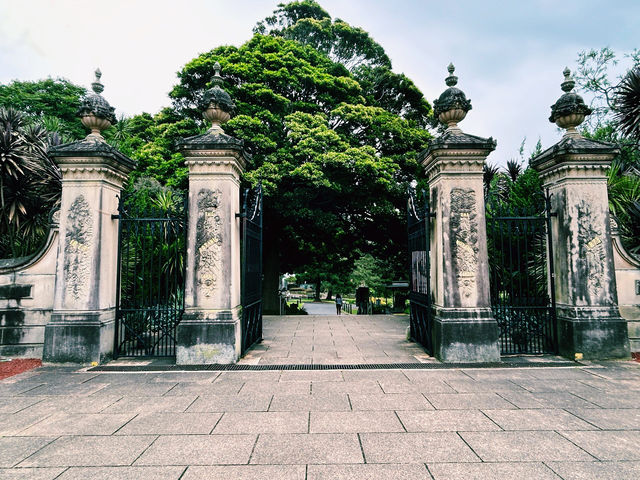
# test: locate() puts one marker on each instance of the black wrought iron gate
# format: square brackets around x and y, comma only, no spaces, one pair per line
[418,222]
[522,277]
[251,267]
[150,287]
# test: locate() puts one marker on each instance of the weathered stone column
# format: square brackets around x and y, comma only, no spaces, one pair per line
[82,323]
[464,329]
[575,171]
[210,328]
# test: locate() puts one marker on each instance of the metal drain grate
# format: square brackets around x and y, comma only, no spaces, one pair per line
[367,366]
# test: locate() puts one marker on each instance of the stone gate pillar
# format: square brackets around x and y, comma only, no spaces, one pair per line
[83,318]
[464,329]
[575,172]
[210,328]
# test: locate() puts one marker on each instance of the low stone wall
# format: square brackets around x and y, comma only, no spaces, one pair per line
[26,298]
[628,282]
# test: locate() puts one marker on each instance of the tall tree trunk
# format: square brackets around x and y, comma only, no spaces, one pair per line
[317,297]
[329,294]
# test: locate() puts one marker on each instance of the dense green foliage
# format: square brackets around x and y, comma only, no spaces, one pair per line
[30,183]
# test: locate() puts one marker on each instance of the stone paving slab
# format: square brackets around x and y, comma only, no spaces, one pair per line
[78,424]
[368,472]
[122,473]
[198,450]
[354,422]
[246,472]
[14,450]
[263,422]
[89,451]
[491,471]
[272,449]
[30,473]
[537,419]
[415,448]
[156,423]
[608,445]
[596,470]
[446,421]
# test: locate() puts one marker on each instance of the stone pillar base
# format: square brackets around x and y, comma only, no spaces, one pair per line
[79,337]
[465,335]
[209,337]
[598,333]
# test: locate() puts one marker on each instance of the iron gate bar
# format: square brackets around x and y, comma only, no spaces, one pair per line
[150,282]
[251,281]
[419,242]
[522,280]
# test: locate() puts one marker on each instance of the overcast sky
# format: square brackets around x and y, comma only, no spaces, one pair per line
[509,55]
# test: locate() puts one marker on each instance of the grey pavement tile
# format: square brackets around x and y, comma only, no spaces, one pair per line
[121,378]
[198,450]
[14,423]
[320,402]
[362,387]
[263,422]
[561,373]
[467,401]
[373,375]
[494,374]
[122,473]
[537,419]
[490,471]
[191,388]
[415,448]
[8,389]
[150,404]
[354,422]
[82,389]
[390,401]
[611,419]
[89,451]
[171,424]
[71,404]
[186,377]
[288,388]
[15,404]
[250,376]
[231,403]
[524,446]
[30,473]
[320,448]
[312,376]
[472,386]
[368,472]
[79,424]
[446,421]
[522,400]
[137,389]
[408,386]
[562,400]
[246,472]
[608,445]
[563,385]
[16,449]
[608,399]
[599,470]
[432,375]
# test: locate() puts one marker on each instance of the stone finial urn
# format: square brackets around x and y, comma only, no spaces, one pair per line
[95,112]
[570,110]
[453,105]
[217,103]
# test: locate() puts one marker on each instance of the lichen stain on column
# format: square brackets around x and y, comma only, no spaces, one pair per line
[78,239]
[208,241]
[463,236]
[591,253]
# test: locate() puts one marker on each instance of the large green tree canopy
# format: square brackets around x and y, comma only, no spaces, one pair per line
[334,161]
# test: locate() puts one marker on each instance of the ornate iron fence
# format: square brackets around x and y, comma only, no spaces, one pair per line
[418,225]
[251,267]
[150,285]
[522,277]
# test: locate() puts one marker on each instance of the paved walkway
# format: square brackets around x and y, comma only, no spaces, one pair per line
[335,340]
[320,308]
[458,424]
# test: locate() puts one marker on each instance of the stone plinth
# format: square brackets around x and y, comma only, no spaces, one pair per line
[464,329]
[84,302]
[210,328]
[589,322]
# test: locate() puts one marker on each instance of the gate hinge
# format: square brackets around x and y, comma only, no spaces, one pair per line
[241,215]
[115,216]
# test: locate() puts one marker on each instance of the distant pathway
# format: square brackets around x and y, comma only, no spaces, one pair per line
[318,308]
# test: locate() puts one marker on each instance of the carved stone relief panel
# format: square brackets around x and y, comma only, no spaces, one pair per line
[463,235]
[208,241]
[77,245]
[591,252]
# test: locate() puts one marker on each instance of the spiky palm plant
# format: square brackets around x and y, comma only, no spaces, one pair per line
[30,183]
[627,102]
